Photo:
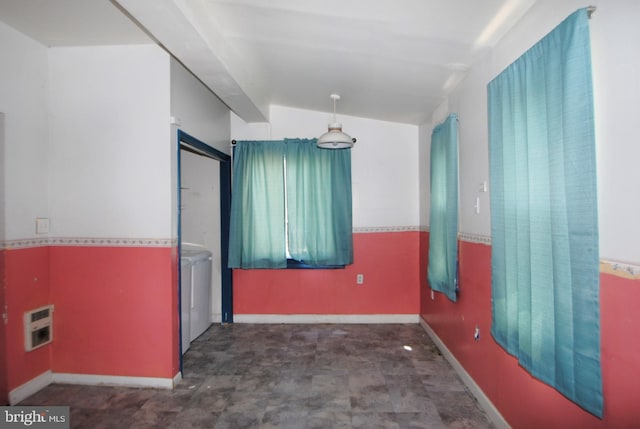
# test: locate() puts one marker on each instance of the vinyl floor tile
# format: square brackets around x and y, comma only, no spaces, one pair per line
[289,376]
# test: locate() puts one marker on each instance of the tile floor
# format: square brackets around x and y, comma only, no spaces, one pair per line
[289,376]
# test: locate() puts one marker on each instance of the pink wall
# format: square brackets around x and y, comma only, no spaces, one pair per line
[388,260]
[524,401]
[27,287]
[116,311]
[4,392]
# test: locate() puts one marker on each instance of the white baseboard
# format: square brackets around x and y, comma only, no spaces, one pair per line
[325,318]
[22,392]
[32,386]
[177,379]
[484,402]
[113,380]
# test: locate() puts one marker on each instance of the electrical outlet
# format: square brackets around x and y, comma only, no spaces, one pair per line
[360,279]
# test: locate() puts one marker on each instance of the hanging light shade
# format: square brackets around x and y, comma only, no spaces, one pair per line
[335,138]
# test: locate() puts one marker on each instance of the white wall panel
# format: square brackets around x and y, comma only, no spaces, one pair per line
[384,161]
[110,155]
[616,65]
[470,103]
[200,114]
[23,100]
[424,176]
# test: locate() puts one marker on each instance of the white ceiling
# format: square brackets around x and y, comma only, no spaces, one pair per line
[71,22]
[393,60]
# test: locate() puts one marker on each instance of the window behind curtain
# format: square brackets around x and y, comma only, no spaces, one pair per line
[318,186]
[443,217]
[545,259]
[257,229]
[314,193]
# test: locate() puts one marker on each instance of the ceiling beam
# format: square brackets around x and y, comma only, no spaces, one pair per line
[183,29]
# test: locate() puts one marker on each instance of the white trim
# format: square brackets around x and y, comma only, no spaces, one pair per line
[177,378]
[87,242]
[485,403]
[325,318]
[38,383]
[156,242]
[376,229]
[113,380]
[474,238]
[23,243]
[22,392]
[622,269]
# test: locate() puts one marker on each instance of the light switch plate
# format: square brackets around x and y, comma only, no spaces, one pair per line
[42,225]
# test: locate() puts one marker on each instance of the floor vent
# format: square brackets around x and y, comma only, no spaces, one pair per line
[38,327]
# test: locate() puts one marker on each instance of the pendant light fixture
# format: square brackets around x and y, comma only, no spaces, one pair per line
[335,138]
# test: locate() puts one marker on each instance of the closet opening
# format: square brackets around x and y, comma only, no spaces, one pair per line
[204,203]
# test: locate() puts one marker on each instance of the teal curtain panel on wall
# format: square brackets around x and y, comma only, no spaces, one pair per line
[442,268]
[544,226]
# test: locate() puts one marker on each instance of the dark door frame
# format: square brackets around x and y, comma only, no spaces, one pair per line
[189,142]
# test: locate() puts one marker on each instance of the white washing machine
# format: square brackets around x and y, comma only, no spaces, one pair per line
[195,284]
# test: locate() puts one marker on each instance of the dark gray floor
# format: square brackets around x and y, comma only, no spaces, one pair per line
[289,376]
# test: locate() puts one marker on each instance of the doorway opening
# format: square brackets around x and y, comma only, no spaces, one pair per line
[204,201]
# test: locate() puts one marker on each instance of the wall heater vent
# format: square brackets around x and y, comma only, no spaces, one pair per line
[38,327]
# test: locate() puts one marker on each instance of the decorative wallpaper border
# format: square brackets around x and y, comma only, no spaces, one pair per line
[168,242]
[22,244]
[620,269]
[373,229]
[151,242]
[88,242]
[475,238]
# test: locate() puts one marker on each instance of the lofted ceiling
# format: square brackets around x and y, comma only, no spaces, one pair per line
[393,60]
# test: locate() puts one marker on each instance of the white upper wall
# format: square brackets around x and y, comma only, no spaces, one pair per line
[88,141]
[23,100]
[424,174]
[616,65]
[110,155]
[384,161]
[200,112]
[201,115]
[200,201]
[470,103]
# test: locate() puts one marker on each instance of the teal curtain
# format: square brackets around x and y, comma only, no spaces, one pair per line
[257,229]
[304,208]
[319,203]
[443,219]
[545,257]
